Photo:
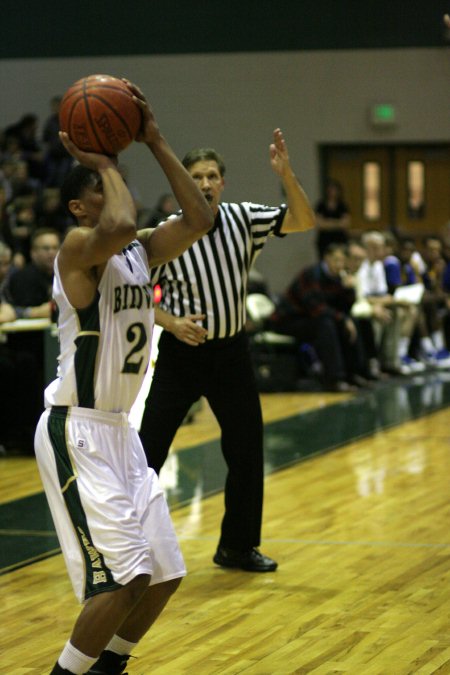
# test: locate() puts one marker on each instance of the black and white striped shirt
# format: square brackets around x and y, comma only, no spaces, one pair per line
[211,276]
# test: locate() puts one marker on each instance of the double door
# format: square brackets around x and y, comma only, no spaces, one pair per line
[401,187]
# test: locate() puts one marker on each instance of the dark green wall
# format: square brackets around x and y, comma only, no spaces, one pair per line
[51,28]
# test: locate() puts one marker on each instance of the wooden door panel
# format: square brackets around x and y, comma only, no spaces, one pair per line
[435,211]
[347,165]
[398,210]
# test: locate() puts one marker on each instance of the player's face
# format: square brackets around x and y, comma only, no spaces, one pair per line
[92,202]
[207,176]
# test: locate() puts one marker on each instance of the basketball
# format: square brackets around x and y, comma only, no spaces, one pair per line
[99,114]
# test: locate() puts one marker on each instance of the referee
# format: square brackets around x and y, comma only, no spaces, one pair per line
[203,348]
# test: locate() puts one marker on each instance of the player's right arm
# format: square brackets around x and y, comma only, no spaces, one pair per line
[107,223]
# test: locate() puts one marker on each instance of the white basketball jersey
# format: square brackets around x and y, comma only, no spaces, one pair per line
[105,348]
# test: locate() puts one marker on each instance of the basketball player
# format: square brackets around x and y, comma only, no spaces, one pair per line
[109,511]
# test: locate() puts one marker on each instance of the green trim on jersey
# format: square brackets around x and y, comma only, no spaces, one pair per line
[98,577]
[85,360]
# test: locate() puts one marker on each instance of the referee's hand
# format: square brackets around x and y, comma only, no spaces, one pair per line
[187,330]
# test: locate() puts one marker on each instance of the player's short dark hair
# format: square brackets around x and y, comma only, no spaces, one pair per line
[204,155]
[77,180]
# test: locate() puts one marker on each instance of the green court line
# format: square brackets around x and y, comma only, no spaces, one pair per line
[26,527]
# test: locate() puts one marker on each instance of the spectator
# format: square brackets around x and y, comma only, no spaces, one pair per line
[165,207]
[30,291]
[434,307]
[7,168]
[393,337]
[22,184]
[6,270]
[316,309]
[57,161]
[51,213]
[18,228]
[18,374]
[333,217]
[32,286]
[371,317]
[25,132]
[398,269]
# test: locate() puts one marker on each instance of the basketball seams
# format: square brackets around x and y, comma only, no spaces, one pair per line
[91,122]
[98,112]
[108,105]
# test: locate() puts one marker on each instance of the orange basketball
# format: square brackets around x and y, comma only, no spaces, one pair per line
[99,114]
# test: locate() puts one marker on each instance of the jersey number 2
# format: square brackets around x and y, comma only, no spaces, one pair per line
[137,336]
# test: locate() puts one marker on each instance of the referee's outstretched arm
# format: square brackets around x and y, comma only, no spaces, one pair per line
[299,216]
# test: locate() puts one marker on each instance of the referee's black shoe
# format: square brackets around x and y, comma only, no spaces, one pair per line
[249,561]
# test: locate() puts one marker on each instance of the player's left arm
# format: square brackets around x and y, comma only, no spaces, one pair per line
[299,216]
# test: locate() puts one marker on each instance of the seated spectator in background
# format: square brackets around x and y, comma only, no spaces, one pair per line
[7,312]
[31,287]
[316,309]
[446,241]
[22,184]
[25,132]
[19,375]
[332,217]
[256,282]
[20,223]
[427,340]
[371,317]
[165,207]
[434,306]
[51,213]
[393,338]
[57,161]
[398,268]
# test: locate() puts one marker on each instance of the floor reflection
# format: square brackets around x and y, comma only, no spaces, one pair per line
[196,472]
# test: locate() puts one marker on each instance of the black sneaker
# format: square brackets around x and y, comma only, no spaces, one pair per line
[109,663]
[249,561]
[58,670]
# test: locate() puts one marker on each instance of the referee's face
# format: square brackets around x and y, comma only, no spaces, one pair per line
[206,174]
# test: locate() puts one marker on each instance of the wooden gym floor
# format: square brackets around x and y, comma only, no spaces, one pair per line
[356,513]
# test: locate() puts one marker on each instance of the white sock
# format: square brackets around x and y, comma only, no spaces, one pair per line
[403,345]
[427,345]
[74,660]
[438,339]
[120,646]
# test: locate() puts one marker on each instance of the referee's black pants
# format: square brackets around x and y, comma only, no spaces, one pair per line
[220,370]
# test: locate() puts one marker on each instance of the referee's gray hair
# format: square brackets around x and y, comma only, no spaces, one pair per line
[202,155]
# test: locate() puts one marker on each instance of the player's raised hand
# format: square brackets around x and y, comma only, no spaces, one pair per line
[91,160]
[149,129]
[279,156]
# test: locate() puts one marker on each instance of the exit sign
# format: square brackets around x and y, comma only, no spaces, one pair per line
[383,115]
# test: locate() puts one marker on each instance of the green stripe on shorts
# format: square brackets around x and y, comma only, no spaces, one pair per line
[98,576]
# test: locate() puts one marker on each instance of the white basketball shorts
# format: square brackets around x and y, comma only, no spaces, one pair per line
[109,511]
